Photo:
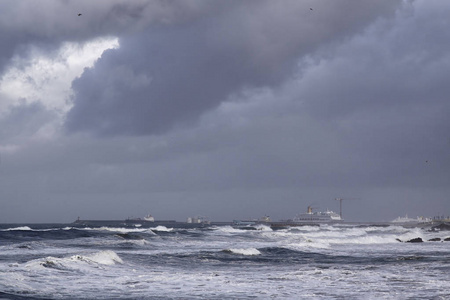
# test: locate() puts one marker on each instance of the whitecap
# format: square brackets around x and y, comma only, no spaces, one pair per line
[229,229]
[303,228]
[161,228]
[106,257]
[248,251]
[77,262]
[117,229]
[263,227]
[21,228]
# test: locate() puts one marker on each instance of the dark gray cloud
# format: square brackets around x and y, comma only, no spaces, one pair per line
[46,24]
[385,93]
[237,110]
[168,75]
[24,120]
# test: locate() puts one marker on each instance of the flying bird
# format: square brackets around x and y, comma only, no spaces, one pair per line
[79,14]
[310,8]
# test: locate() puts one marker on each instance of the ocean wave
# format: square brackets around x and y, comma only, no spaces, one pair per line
[263,227]
[21,228]
[229,229]
[248,251]
[307,244]
[106,257]
[161,228]
[76,262]
[116,229]
[218,263]
[27,228]
[304,228]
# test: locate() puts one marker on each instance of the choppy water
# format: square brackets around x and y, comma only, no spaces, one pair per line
[309,262]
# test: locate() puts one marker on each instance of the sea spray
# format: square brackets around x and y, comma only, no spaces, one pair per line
[222,262]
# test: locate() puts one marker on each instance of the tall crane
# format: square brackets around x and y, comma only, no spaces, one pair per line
[340,204]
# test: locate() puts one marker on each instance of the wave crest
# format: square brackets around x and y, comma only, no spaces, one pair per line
[248,251]
[161,228]
[106,257]
[21,228]
[77,262]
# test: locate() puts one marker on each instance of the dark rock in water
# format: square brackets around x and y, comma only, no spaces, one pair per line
[416,240]
[435,240]
[447,239]
[48,264]
[442,226]
[399,240]
[245,228]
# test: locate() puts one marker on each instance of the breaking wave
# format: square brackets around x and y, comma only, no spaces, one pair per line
[76,262]
[229,229]
[161,228]
[249,251]
[21,228]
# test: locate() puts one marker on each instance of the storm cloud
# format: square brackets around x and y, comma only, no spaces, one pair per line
[229,109]
[169,74]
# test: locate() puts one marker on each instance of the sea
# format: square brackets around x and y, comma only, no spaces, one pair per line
[144,261]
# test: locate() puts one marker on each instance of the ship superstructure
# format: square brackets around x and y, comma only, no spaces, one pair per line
[311,216]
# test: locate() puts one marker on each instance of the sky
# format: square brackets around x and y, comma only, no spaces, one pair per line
[224,109]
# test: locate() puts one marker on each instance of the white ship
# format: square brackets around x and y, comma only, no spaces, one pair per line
[263,220]
[198,220]
[327,216]
[411,221]
[147,218]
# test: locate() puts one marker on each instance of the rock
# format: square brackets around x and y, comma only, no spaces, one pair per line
[441,227]
[447,239]
[435,240]
[416,240]
[399,240]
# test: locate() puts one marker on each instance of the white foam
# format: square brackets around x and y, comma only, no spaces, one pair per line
[162,228]
[229,229]
[306,228]
[106,257]
[76,262]
[349,237]
[73,271]
[27,228]
[263,227]
[307,244]
[117,229]
[141,242]
[249,251]
[22,228]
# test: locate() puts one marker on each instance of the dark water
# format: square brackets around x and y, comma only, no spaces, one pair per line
[118,261]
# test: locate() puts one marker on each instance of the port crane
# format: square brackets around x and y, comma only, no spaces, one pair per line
[340,204]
